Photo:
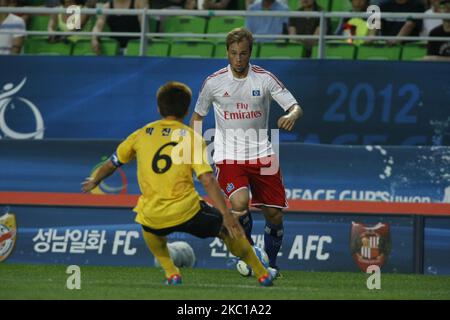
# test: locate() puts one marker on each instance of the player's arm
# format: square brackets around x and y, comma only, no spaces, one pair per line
[202,106]
[105,171]
[124,153]
[212,188]
[196,122]
[287,121]
[285,100]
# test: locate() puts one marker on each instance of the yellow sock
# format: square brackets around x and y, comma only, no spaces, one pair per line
[241,248]
[158,246]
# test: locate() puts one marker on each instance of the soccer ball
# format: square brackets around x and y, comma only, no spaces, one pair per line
[245,270]
[182,254]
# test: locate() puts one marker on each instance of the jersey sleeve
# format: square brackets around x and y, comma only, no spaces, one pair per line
[200,163]
[125,151]
[204,99]
[279,93]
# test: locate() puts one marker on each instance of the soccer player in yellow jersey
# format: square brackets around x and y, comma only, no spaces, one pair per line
[167,152]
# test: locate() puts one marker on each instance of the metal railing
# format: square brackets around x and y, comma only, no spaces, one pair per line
[147,13]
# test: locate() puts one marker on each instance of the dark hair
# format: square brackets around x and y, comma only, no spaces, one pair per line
[174,99]
[238,35]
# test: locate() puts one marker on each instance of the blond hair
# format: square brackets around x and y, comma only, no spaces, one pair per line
[239,34]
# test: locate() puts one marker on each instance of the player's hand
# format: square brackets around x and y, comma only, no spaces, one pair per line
[287,122]
[88,184]
[231,223]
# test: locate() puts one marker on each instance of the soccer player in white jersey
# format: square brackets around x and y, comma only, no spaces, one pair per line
[241,94]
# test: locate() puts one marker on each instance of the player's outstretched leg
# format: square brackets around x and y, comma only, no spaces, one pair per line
[273,234]
[241,248]
[247,223]
[239,202]
[158,246]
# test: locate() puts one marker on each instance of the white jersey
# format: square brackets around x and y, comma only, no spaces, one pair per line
[429,24]
[241,109]
[14,24]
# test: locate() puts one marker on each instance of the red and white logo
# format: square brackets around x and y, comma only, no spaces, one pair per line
[8,229]
[370,245]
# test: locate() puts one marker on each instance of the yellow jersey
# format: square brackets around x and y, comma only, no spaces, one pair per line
[167,152]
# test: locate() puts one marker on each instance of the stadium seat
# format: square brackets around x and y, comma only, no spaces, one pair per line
[185,24]
[414,51]
[224,24]
[378,52]
[336,51]
[152,25]
[109,47]
[281,50]
[155,48]
[220,50]
[38,23]
[41,46]
[339,6]
[324,4]
[192,49]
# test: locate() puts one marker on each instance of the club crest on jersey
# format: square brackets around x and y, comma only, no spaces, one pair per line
[256,93]
[230,187]
[8,231]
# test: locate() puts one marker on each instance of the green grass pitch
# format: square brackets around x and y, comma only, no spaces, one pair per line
[49,282]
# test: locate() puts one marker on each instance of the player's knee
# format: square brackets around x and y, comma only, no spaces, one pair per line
[276,219]
[239,204]
[239,200]
[273,215]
